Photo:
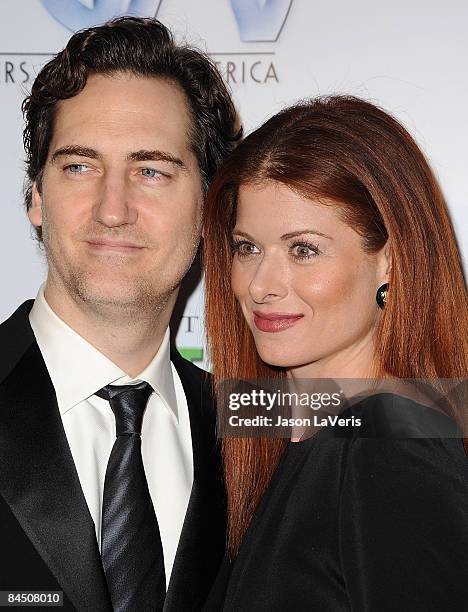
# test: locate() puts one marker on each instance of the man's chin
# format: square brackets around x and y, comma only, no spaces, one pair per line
[108,293]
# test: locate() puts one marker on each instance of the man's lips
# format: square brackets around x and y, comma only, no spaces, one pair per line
[120,246]
[275,321]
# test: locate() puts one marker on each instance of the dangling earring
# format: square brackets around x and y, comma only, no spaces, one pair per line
[381,296]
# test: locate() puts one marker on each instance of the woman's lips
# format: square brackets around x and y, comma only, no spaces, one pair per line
[276,321]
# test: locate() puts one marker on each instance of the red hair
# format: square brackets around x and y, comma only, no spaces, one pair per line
[353,153]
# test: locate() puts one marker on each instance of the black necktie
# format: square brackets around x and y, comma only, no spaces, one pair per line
[131,548]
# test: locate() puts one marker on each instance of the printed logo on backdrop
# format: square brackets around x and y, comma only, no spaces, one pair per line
[73,15]
[258,22]
[78,14]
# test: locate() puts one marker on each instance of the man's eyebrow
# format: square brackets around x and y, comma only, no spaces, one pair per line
[75,150]
[156,155]
[141,155]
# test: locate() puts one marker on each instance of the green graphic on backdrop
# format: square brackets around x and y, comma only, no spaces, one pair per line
[191,353]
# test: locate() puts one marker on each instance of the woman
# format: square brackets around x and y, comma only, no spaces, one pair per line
[329,253]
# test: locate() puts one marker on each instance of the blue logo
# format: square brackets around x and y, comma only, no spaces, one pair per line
[260,20]
[78,14]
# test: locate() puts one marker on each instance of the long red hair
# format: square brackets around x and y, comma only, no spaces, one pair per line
[349,151]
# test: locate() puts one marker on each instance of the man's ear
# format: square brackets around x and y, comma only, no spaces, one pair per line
[35,212]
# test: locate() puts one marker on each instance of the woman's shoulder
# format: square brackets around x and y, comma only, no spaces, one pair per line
[390,439]
[403,506]
[396,430]
[394,416]
[404,449]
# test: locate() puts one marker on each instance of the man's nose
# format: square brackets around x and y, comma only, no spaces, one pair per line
[269,283]
[113,206]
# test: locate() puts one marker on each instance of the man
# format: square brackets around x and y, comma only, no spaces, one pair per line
[124,131]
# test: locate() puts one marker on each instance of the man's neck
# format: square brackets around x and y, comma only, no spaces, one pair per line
[130,339]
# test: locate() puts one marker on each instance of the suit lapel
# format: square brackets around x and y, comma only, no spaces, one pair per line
[39,481]
[202,541]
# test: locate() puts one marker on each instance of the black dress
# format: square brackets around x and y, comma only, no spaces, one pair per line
[374,519]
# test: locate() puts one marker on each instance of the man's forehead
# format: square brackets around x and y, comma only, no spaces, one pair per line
[127,112]
[148,99]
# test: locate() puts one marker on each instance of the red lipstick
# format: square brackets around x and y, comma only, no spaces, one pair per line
[275,321]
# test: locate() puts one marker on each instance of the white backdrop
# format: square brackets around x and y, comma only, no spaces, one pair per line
[409,57]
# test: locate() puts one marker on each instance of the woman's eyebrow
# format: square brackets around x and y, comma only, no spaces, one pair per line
[305,231]
[240,233]
[286,236]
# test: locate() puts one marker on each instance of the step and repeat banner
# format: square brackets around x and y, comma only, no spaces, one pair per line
[408,57]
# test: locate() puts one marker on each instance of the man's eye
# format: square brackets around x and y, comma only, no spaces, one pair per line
[77,168]
[150,173]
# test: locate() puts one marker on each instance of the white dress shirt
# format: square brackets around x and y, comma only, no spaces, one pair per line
[78,370]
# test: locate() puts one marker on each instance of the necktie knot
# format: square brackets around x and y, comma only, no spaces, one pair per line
[128,403]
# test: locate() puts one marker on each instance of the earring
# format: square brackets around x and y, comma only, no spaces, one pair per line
[381,297]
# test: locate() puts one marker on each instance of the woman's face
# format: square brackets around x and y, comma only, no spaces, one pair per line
[306,286]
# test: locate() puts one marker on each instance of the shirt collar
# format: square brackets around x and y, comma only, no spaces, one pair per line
[77,369]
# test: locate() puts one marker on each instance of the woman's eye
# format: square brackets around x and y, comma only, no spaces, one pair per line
[77,168]
[150,172]
[304,250]
[244,248]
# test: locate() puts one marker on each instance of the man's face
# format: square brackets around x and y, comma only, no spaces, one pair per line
[121,196]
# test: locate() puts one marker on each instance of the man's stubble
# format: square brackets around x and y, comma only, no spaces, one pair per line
[134,294]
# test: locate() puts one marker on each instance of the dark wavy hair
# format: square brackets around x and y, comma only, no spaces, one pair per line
[144,47]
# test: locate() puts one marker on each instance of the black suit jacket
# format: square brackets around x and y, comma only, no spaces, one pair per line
[47,536]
